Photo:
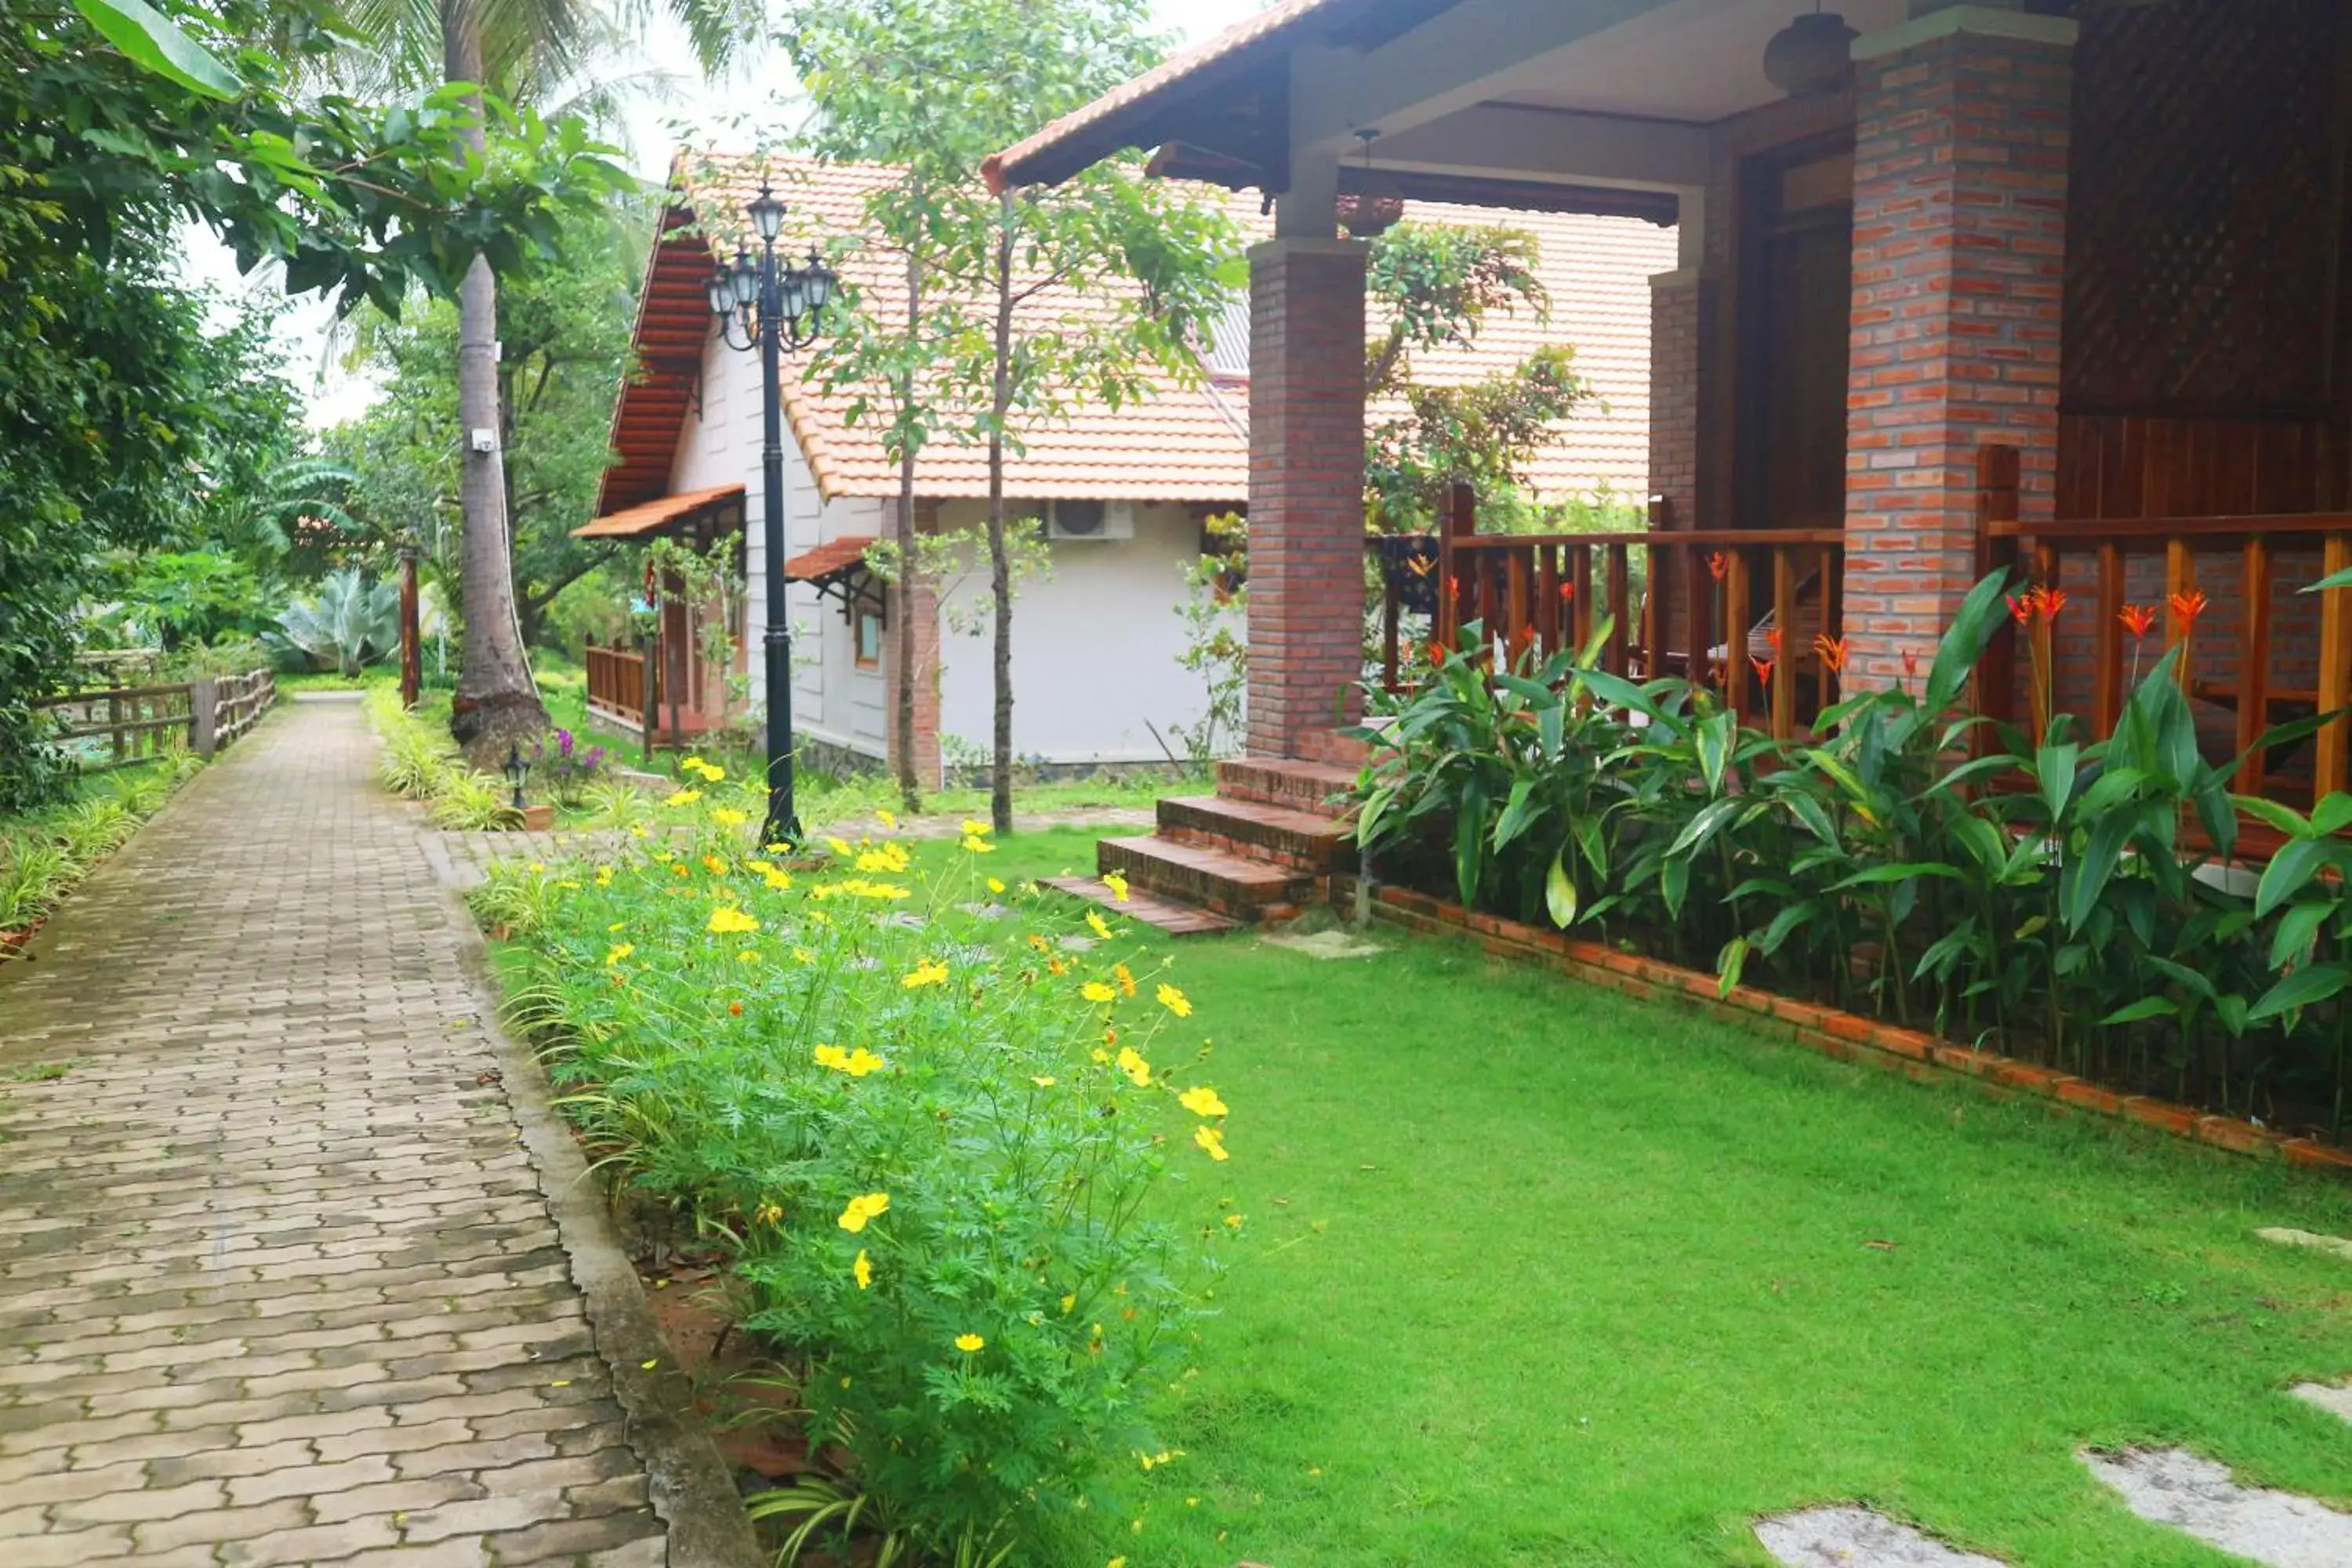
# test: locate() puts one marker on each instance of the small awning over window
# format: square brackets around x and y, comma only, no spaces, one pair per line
[652,517]
[829,562]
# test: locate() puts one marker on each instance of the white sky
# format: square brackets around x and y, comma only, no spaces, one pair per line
[726,114]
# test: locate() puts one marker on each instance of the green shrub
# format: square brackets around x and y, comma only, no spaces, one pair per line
[925,1130]
[422,763]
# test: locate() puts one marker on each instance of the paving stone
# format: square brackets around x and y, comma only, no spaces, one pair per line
[1857,1538]
[2188,1492]
[2305,1238]
[273,1267]
[2334,1398]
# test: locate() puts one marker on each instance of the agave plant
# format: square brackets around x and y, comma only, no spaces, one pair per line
[347,622]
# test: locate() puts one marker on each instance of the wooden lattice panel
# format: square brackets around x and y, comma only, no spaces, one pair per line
[2201,216]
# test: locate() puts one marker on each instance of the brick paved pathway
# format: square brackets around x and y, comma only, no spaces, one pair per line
[277,1280]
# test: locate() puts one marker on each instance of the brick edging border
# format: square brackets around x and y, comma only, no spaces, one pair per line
[1848,1036]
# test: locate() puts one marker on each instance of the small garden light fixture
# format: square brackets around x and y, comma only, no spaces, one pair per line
[777,305]
[518,770]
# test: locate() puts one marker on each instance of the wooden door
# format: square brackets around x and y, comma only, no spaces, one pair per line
[1797,300]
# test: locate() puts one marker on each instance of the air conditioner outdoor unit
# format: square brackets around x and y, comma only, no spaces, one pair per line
[1090,520]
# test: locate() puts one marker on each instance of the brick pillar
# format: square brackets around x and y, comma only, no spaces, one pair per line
[1306,494]
[922,601]
[1959,237]
[1674,393]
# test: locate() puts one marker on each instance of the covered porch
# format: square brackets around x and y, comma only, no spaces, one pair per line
[671,683]
[2055,282]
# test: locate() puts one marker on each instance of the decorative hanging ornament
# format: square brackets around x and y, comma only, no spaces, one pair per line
[1813,56]
[1377,204]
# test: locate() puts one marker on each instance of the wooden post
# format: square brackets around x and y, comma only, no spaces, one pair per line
[1999,473]
[651,717]
[2179,577]
[2329,772]
[1735,633]
[2107,642]
[1390,613]
[204,716]
[412,651]
[2255,666]
[1620,561]
[1784,616]
[1461,521]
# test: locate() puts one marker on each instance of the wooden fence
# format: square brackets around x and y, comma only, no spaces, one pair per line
[139,724]
[1664,593]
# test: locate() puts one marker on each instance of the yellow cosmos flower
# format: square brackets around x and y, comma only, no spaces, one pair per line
[1126,978]
[729,921]
[856,1063]
[1210,1139]
[620,950]
[1069,1304]
[1117,884]
[975,827]
[618,925]
[714,865]
[1045,1082]
[1232,1222]
[890,858]
[603,875]
[970,1344]
[863,1270]
[684,798]
[770,1213]
[1097,924]
[537,868]
[1096,990]
[974,844]
[1102,1057]
[887,818]
[1202,1101]
[747,956]
[1134,1066]
[930,971]
[727,817]
[1175,1001]
[777,881]
[994,886]
[1039,943]
[838,846]
[803,956]
[860,1210]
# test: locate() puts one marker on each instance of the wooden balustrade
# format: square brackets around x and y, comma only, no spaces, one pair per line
[140,723]
[617,682]
[1657,591]
[2234,561]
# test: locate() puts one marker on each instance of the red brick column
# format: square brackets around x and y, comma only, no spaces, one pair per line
[1959,253]
[1306,494]
[921,601]
[1674,393]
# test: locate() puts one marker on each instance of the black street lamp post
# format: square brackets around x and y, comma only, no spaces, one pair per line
[778,306]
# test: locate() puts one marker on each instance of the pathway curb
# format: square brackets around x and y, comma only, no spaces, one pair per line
[693,1491]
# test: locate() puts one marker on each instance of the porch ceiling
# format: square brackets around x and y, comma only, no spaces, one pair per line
[1583,95]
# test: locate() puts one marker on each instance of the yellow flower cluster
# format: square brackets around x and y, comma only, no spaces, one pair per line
[856,1063]
[930,971]
[683,797]
[1202,1101]
[711,774]
[888,857]
[1175,1001]
[729,921]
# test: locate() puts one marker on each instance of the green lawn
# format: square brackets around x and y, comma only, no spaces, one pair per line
[1540,1275]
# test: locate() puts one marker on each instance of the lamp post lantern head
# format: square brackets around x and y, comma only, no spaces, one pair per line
[720,291]
[820,282]
[767,214]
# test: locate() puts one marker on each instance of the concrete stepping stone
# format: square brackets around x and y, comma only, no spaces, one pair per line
[2334,1398]
[1857,1538]
[2317,1243]
[2191,1493]
[1326,944]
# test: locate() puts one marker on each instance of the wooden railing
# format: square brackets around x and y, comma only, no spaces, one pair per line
[2249,567]
[139,724]
[617,682]
[1664,594]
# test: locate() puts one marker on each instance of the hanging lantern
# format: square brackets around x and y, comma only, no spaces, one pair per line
[1377,205]
[1813,56]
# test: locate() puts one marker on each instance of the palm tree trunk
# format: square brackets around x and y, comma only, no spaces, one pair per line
[1000,561]
[497,703]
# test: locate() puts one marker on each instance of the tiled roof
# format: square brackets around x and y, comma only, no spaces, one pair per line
[834,556]
[1184,444]
[651,517]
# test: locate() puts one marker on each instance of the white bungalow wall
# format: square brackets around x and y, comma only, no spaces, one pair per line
[1094,646]
[832,700]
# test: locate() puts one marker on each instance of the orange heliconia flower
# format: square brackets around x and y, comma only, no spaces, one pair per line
[1437,653]
[1774,637]
[1763,670]
[1911,662]
[2020,610]
[2138,619]
[2187,607]
[1567,592]
[1420,565]
[1527,638]
[1718,564]
[1832,651]
[2037,603]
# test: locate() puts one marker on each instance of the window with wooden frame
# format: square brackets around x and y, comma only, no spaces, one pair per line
[868,629]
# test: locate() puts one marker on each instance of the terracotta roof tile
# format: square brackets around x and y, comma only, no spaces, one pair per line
[651,517]
[829,559]
[1184,443]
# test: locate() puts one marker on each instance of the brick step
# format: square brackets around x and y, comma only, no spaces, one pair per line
[1228,885]
[1176,920]
[1301,840]
[1286,781]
